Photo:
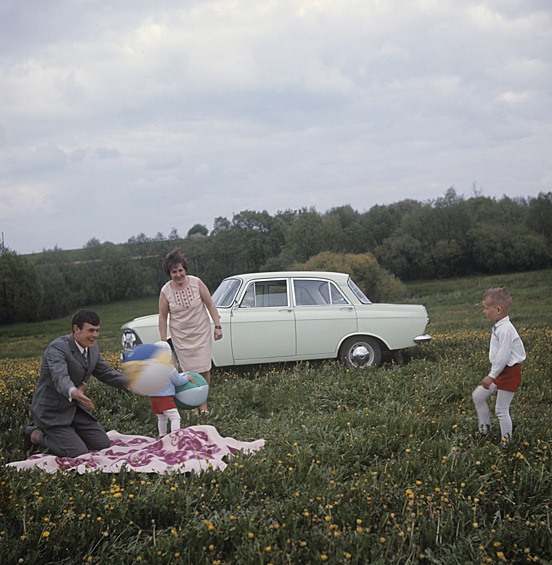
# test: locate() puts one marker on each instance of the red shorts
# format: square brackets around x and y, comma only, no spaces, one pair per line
[161,403]
[510,378]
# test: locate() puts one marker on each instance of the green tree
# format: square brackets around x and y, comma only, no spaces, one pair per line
[20,291]
[335,222]
[539,216]
[55,255]
[198,230]
[441,228]
[346,215]
[246,243]
[138,245]
[92,242]
[503,248]
[305,237]
[404,256]
[372,228]
[58,297]
[66,284]
[92,249]
[118,276]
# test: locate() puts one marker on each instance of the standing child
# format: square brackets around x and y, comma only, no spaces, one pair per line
[163,404]
[505,354]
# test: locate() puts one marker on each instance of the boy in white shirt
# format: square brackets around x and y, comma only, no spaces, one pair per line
[505,354]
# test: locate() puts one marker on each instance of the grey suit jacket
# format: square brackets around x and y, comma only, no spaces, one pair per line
[64,367]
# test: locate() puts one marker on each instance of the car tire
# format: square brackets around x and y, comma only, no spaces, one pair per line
[360,352]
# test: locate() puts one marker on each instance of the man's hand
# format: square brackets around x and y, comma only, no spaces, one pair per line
[190,378]
[78,395]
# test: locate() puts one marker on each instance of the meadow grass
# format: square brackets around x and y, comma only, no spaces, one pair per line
[372,466]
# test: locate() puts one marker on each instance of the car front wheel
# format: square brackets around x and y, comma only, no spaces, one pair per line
[360,352]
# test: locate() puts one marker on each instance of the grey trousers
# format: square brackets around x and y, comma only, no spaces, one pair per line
[83,435]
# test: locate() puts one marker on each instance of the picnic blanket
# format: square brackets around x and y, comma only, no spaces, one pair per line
[181,451]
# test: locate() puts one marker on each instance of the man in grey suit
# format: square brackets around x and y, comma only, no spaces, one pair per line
[59,407]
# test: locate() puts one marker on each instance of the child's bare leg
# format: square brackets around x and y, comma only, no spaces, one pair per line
[207,376]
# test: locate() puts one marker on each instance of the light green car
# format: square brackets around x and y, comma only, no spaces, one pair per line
[300,315]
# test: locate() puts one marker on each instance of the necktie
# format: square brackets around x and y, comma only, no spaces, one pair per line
[85,355]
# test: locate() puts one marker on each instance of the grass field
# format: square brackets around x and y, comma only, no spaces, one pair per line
[370,466]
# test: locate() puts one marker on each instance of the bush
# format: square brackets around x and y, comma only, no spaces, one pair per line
[377,283]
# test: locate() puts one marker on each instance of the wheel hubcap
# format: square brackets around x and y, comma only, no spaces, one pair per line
[360,355]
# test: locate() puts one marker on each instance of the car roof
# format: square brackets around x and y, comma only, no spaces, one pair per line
[338,277]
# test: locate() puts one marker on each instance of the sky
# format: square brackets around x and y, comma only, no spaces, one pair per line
[139,117]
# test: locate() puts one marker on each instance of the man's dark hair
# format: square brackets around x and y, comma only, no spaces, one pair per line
[81,317]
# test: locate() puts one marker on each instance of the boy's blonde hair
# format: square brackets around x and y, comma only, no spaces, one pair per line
[498,297]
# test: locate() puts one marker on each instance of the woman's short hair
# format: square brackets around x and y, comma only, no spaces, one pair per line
[174,257]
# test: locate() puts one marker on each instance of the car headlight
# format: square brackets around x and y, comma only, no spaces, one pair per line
[129,339]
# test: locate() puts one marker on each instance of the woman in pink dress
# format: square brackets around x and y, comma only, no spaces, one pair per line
[187,300]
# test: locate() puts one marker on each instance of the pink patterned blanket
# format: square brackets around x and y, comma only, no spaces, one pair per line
[181,451]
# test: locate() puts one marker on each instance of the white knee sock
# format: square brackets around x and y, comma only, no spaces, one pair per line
[502,410]
[479,396]
[162,423]
[174,416]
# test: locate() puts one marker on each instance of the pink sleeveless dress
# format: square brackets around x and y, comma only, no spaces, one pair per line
[190,326]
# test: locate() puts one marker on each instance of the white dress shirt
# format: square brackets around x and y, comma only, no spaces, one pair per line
[506,347]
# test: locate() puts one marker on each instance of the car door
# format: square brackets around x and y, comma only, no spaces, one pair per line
[263,324]
[323,317]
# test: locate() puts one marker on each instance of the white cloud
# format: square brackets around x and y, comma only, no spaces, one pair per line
[179,113]
[23,201]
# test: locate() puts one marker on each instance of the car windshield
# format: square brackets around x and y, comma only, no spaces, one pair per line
[358,293]
[226,292]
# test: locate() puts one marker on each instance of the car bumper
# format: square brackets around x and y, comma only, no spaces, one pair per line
[422,339]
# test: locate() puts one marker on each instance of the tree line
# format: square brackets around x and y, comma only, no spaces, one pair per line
[409,240]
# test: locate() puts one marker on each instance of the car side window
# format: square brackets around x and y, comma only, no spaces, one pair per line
[248,300]
[312,292]
[263,294]
[337,297]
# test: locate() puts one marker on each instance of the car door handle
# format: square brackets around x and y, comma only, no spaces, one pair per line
[346,308]
[285,310]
